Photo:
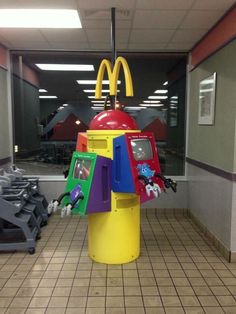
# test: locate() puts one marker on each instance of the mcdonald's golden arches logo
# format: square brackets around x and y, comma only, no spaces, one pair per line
[113,76]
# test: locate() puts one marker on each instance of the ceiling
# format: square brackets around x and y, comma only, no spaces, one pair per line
[153,26]
[141,25]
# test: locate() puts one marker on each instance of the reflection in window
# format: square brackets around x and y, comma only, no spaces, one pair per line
[46,128]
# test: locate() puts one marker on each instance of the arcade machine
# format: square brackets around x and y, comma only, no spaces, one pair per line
[115,169]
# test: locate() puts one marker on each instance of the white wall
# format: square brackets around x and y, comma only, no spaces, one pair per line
[210,200]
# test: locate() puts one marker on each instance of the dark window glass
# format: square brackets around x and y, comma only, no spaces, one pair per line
[45,129]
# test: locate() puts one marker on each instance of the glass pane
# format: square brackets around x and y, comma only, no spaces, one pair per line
[46,129]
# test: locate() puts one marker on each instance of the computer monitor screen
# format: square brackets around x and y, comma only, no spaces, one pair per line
[142,149]
[82,169]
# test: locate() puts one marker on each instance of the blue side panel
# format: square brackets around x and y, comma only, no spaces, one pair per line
[122,179]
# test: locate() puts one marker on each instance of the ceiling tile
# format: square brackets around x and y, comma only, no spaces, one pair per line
[213,4]
[42,4]
[105,14]
[22,44]
[150,36]
[105,24]
[107,46]
[105,4]
[201,19]
[164,4]
[180,46]
[100,46]
[66,35]
[158,19]
[98,35]
[188,35]
[69,45]
[146,46]
[12,34]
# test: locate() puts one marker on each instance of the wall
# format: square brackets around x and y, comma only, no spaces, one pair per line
[214,145]
[211,149]
[5,149]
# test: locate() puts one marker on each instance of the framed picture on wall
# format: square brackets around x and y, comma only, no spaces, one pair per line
[207,95]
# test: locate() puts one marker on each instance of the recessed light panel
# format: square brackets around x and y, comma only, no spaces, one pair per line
[65,67]
[161,91]
[151,101]
[93,82]
[151,105]
[48,96]
[39,18]
[93,90]
[157,97]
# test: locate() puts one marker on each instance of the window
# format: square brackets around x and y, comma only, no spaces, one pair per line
[46,128]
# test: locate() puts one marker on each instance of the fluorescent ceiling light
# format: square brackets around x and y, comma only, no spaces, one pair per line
[65,67]
[98,105]
[207,81]
[93,82]
[174,97]
[98,101]
[97,108]
[93,90]
[65,105]
[174,101]
[134,108]
[47,96]
[151,101]
[93,97]
[151,105]
[157,97]
[39,18]
[206,90]
[161,91]
[42,90]
[166,83]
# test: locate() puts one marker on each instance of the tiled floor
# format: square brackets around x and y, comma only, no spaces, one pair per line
[178,272]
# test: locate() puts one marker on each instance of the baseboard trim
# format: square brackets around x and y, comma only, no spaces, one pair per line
[216,242]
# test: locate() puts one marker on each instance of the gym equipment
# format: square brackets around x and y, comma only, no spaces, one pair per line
[15,179]
[23,210]
[19,228]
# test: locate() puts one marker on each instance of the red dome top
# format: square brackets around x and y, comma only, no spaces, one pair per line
[113,120]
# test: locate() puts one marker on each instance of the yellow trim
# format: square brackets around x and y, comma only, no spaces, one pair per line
[113,76]
[101,141]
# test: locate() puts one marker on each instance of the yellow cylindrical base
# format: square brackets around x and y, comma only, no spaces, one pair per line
[114,237]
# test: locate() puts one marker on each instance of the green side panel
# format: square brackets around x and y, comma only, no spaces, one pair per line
[81,172]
